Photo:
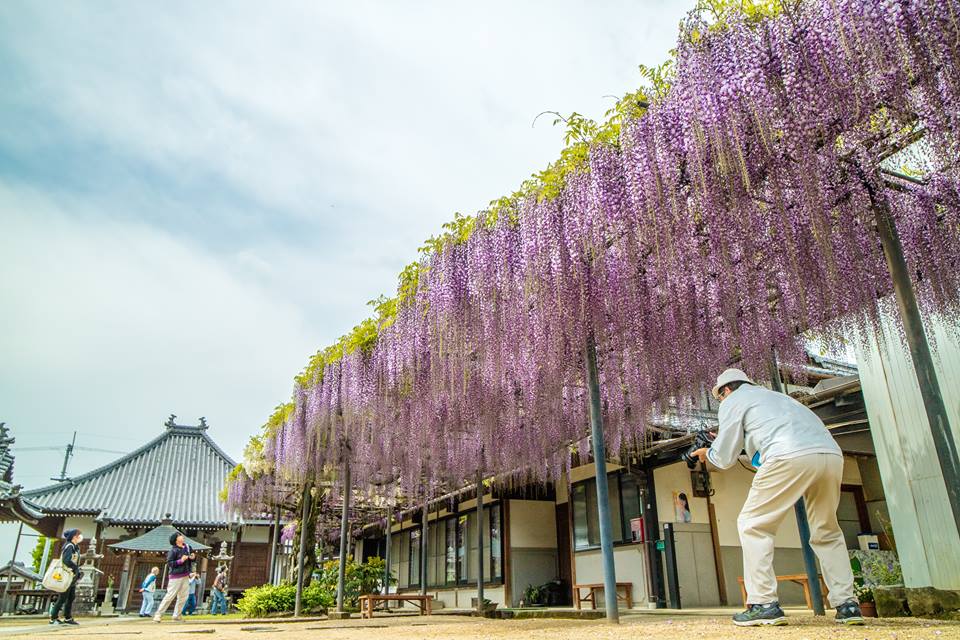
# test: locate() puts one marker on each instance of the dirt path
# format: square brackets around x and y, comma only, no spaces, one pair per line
[640,627]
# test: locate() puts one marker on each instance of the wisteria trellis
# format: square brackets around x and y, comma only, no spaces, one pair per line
[730,215]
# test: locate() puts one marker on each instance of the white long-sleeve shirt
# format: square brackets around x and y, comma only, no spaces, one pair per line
[774,424]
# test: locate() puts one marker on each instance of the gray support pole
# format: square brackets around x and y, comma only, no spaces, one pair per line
[344,535]
[304,516]
[424,548]
[479,542]
[944,444]
[273,546]
[46,555]
[803,525]
[603,495]
[6,588]
[386,554]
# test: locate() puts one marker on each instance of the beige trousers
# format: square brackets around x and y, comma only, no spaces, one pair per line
[178,588]
[777,486]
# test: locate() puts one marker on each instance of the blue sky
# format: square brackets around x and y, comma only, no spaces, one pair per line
[194,197]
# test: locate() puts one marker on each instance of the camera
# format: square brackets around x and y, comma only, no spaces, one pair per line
[701,439]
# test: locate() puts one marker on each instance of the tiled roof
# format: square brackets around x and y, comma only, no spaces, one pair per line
[156,540]
[179,473]
[19,569]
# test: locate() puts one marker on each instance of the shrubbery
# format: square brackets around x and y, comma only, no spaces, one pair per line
[360,579]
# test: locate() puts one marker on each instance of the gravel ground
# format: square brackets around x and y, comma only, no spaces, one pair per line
[802,627]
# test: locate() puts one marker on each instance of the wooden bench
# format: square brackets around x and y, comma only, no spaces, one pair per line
[798,578]
[593,588]
[369,602]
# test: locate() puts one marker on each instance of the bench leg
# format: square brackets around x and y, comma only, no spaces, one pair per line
[629,597]
[576,597]
[806,594]
[743,593]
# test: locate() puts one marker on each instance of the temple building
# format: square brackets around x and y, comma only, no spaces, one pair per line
[174,479]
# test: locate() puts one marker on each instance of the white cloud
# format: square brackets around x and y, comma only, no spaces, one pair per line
[194,196]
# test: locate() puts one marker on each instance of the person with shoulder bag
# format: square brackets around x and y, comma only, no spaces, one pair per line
[69,558]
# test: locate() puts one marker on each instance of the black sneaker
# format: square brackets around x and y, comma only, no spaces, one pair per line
[71,621]
[849,613]
[761,614]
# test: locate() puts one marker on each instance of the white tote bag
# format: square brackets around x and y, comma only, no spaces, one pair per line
[58,577]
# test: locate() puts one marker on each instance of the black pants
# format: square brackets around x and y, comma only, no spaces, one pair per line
[65,602]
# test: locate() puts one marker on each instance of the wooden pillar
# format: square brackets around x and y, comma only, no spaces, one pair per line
[123,591]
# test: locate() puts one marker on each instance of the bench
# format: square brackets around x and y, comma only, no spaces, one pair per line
[369,602]
[593,588]
[798,578]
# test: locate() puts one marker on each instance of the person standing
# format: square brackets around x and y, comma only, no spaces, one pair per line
[147,589]
[69,557]
[179,560]
[796,457]
[191,607]
[218,592]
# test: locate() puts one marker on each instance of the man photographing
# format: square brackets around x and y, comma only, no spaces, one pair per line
[797,458]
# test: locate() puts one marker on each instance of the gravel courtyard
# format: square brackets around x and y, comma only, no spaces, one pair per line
[681,627]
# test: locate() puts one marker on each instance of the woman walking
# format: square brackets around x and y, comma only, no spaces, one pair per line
[69,558]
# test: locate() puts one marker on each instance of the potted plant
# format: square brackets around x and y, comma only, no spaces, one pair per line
[532,596]
[865,595]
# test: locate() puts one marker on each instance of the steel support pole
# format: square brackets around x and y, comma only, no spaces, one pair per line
[800,511]
[46,555]
[603,495]
[945,447]
[673,576]
[344,535]
[302,551]
[424,547]
[480,608]
[13,560]
[273,546]
[386,554]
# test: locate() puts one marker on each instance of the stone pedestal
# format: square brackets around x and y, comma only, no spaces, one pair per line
[338,615]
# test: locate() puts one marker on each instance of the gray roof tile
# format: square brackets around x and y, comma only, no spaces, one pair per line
[179,473]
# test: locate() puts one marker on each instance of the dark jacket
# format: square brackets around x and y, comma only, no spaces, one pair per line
[70,556]
[178,561]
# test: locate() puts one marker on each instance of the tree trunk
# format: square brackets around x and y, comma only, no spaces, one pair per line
[310,557]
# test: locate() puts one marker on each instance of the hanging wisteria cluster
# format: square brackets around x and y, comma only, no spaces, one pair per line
[723,220]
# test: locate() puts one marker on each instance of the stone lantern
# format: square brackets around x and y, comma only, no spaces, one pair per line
[86,586]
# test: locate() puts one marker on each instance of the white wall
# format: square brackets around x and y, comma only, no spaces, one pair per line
[533,524]
[86,525]
[629,564]
[927,539]
[255,533]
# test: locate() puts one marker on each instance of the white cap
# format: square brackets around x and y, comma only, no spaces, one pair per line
[728,376]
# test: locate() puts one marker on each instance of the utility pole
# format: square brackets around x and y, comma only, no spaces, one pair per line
[66,459]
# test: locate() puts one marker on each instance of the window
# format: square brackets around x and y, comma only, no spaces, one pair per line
[450,524]
[625,503]
[496,549]
[415,557]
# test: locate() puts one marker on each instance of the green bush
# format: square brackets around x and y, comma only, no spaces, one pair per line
[319,596]
[360,579]
[259,601]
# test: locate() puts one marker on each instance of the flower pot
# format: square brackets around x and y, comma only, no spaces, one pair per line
[868,609]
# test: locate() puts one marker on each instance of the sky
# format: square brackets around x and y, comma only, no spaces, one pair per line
[195,197]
